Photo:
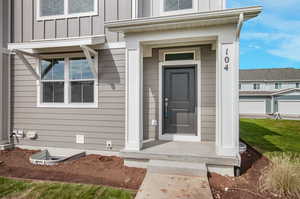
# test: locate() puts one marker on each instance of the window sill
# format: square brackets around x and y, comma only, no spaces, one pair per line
[177,12]
[86,14]
[58,105]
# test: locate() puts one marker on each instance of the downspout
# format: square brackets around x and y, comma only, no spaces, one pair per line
[237,55]
[9,73]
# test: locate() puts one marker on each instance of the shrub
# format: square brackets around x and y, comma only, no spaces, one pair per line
[282,177]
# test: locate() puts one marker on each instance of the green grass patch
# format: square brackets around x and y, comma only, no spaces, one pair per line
[10,188]
[271,137]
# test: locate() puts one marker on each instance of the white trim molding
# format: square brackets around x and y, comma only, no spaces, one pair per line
[196,62]
[66,13]
[227,108]
[134,90]
[57,43]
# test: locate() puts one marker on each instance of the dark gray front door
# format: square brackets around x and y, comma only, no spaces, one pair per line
[179,101]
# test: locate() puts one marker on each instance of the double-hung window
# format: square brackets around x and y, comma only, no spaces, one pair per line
[169,7]
[256,86]
[51,9]
[68,82]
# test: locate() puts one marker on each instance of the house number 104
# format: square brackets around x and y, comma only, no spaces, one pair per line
[226,59]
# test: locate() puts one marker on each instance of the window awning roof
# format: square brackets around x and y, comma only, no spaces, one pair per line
[36,48]
[61,43]
[183,21]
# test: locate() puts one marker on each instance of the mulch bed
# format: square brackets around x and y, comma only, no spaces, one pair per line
[91,169]
[245,186]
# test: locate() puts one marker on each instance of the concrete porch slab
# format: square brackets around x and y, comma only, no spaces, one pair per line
[204,152]
[163,186]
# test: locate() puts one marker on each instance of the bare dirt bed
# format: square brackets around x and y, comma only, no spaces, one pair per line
[245,186]
[92,169]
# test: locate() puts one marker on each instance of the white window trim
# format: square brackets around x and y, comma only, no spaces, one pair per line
[177,12]
[66,12]
[67,89]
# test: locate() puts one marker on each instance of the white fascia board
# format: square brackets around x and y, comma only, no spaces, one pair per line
[56,43]
[288,80]
[247,95]
[213,17]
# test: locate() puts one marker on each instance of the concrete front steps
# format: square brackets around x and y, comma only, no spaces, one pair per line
[177,168]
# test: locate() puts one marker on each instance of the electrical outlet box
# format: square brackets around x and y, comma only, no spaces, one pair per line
[80,139]
[154,123]
[20,133]
[31,135]
[108,145]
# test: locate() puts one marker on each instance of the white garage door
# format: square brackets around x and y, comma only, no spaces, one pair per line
[252,107]
[289,107]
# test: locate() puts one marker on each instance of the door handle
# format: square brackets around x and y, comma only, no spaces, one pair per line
[166,106]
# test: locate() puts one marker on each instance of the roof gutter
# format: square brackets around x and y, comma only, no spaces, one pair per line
[201,18]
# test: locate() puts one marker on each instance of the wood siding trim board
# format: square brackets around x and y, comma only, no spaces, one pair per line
[55,126]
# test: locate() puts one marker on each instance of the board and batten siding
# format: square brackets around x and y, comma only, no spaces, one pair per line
[58,127]
[208,94]
[27,28]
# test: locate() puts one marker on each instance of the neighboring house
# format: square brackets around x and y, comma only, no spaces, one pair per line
[267,91]
[118,74]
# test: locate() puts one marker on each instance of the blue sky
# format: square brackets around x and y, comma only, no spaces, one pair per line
[271,40]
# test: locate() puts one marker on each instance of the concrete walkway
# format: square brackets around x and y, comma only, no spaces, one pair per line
[166,186]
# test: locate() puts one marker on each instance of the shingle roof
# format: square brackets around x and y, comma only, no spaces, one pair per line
[273,74]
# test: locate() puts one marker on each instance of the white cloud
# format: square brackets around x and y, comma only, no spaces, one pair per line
[276,30]
[278,23]
[289,49]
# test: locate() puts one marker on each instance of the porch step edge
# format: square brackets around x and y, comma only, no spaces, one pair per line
[218,160]
[177,168]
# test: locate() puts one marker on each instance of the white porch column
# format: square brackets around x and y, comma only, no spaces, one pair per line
[227,142]
[134,131]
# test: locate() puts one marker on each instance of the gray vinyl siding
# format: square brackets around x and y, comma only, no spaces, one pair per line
[208,97]
[208,94]
[151,94]
[27,28]
[57,127]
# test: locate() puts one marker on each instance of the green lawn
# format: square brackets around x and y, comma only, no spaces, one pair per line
[39,190]
[271,136]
